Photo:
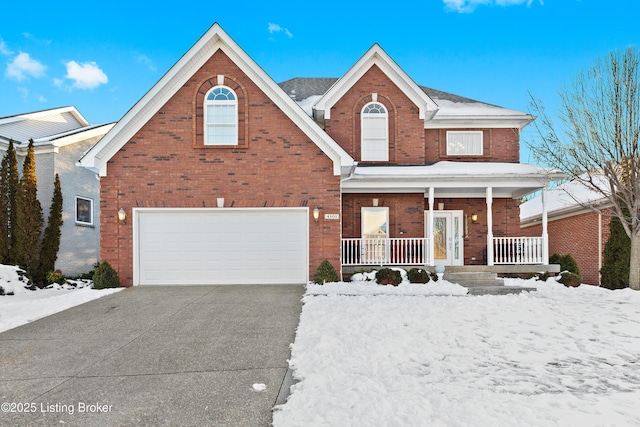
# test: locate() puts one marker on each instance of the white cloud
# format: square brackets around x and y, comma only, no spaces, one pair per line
[466,6]
[275,28]
[24,92]
[24,66]
[144,59]
[4,49]
[85,76]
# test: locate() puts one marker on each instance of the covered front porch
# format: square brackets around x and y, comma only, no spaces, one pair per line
[450,213]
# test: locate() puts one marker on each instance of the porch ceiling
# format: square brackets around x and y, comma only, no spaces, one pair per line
[452,179]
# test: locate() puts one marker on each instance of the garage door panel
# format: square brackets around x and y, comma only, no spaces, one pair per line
[222,246]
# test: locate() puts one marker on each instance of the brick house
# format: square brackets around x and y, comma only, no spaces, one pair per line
[61,136]
[225,176]
[573,226]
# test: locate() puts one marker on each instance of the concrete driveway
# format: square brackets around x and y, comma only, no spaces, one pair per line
[153,356]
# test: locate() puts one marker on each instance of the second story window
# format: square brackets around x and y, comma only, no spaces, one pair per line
[464,143]
[221,117]
[375,133]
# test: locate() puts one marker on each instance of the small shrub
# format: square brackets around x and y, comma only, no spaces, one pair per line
[570,279]
[56,277]
[387,276]
[105,276]
[567,263]
[325,273]
[433,276]
[418,275]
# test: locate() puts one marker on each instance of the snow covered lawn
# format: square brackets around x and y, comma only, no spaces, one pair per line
[558,356]
[25,306]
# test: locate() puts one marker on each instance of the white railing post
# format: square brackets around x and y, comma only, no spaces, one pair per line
[431,259]
[490,259]
[545,234]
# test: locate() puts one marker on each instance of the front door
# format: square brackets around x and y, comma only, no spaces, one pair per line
[448,244]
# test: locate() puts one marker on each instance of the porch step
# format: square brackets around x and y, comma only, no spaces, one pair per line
[497,290]
[474,278]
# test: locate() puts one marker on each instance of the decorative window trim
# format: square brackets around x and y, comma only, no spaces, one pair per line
[81,221]
[460,147]
[211,103]
[370,111]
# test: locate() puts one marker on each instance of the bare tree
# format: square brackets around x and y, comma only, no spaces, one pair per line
[597,140]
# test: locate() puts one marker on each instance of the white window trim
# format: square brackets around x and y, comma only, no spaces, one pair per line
[78,222]
[477,132]
[364,155]
[208,103]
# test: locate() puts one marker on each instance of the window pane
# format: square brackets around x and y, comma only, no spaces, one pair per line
[464,143]
[83,211]
[221,135]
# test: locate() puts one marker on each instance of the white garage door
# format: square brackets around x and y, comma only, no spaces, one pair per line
[221,246]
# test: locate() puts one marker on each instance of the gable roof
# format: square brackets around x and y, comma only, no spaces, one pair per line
[213,40]
[41,126]
[376,56]
[453,111]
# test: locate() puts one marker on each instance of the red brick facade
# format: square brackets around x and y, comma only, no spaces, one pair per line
[577,235]
[166,165]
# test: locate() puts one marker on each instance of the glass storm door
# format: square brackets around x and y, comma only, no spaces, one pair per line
[375,234]
[448,245]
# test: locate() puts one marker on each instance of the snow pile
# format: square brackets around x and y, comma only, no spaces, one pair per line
[558,356]
[21,305]
[365,284]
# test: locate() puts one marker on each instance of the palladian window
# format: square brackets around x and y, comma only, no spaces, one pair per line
[221,117]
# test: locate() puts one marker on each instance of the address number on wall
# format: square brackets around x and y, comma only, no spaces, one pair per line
[331,216]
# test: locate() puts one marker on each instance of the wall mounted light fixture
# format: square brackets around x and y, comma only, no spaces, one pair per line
[474,218]
[122,216]
[316,214]
[375,203]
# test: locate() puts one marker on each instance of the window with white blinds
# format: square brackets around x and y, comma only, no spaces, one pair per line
[221,117]
[375,132]
[464,143]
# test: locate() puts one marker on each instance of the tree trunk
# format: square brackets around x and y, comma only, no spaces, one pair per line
[634,262]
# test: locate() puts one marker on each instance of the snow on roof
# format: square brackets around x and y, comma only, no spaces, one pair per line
[572,194]
[452,108]
[308,103]
[447,168]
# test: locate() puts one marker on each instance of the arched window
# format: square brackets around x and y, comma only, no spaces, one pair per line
[375,132]
[221,117]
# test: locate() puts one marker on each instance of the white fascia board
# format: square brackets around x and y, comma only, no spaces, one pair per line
[466,122]
[566,212]
[215,39]
[376,56]
[37,114]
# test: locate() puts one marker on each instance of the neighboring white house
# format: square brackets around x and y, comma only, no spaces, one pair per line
[61,136]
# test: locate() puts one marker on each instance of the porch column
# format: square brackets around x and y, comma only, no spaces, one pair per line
[545,234]
[431,260]
[489,226]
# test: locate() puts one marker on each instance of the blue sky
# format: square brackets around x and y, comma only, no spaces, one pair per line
[102,57]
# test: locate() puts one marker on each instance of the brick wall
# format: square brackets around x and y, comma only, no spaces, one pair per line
[166,165]
[576,235]
[406,129]
[500,145]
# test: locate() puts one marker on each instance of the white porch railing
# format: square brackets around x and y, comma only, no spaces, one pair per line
[518,250]
[397,251]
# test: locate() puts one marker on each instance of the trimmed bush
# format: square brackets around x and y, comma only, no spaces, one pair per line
[387,276]
[56,277]
[325,273]
[567,263]
[617,256]
[418,275]
[105,276]
[570,279]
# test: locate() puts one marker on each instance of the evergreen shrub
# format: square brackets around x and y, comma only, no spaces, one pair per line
[570,279]
[418,275]
[617,255]
[325,273]
[567,263]
[105,276]
[387,276]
